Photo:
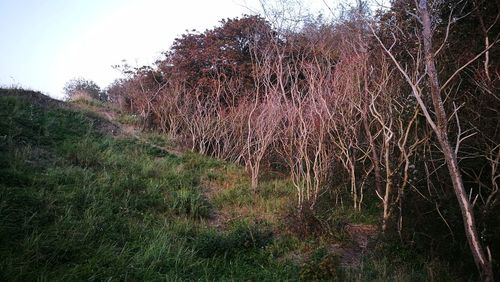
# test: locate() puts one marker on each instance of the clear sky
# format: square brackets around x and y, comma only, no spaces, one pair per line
[47,42]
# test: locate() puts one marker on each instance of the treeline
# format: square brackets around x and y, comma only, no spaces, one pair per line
[400,107]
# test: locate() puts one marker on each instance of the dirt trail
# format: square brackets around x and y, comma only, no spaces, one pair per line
[111,126]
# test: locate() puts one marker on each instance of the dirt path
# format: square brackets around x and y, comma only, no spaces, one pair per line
[109,125]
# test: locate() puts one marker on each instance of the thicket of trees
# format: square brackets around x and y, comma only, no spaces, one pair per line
[400,107]
[81,88]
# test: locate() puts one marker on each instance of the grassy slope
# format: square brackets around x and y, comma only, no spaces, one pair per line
[76,204]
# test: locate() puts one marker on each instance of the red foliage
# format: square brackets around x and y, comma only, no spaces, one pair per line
[219,60]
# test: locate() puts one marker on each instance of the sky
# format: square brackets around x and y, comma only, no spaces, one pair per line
[45,43]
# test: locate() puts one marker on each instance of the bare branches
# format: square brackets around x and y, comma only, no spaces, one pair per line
[450,79]
[414,85]
[354,107]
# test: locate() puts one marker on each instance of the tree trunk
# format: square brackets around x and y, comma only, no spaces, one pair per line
[482,262]
[374,155]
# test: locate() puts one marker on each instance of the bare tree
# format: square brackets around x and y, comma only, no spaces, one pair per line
[263,122]
[439,125]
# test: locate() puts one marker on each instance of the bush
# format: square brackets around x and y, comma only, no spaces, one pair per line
[83,89]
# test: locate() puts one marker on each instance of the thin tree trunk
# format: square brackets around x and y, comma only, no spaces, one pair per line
[374,157]
[482,262]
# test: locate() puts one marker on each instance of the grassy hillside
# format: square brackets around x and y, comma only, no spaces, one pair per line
[76,204]
[81,201]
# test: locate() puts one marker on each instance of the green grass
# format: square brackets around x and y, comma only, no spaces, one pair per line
[130,119]
[76,204]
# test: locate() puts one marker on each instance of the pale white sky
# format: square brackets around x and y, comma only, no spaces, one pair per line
[46,43]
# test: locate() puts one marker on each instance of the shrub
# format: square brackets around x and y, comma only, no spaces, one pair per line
[83,89]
